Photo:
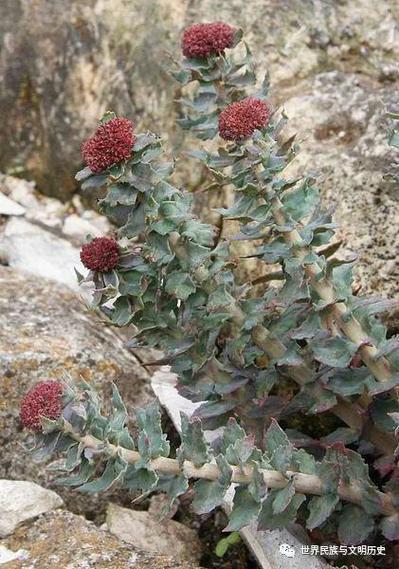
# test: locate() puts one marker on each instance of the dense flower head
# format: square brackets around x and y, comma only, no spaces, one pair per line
[44,400]
[101,254]
[203,40]
[112,142]
[239,120]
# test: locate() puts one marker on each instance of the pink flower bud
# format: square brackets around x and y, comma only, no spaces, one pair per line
[203,40]
[102,254]
[239,120]
[112,142]
[44,400]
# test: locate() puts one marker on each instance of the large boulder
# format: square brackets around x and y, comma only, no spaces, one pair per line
[339,119]
[145,530]
[46,334]
[62,539]
[62,68]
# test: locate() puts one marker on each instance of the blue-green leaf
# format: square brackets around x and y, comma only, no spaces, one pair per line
[151,441]
[180,285]
[320,508]
[283,497]
[210,494]
[334,352]
[194,446]
[245,509]
[354,525]
[269,520]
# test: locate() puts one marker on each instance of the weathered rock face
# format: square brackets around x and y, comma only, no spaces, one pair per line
[61,69]
[340,116]
[61,539]
[297,38]
[146,531]
[46,334]
[334,65]
[21,500]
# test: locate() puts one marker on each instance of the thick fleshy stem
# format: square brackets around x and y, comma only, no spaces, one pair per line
[350,414]
[351,328]
[347,412]
[303,483]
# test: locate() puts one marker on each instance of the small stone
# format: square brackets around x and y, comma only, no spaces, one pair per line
[19,190]
[9,207]
[145,531]
[28,247]
[45,210]
[21,500]
[80,228]
[6,555]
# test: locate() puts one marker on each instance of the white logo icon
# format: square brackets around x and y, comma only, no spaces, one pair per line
[287,550]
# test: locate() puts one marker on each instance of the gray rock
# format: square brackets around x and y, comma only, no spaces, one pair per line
[19,190]
[62,539]
[341,120]
[61,69]
[9,207]
[281,549]
[21,500]
[78,228]
[42,209]
[28,247]
[145,531]
[277,549]
[6,555]
[46,334]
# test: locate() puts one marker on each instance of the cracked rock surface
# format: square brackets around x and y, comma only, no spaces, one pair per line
[65,540]
[47,334]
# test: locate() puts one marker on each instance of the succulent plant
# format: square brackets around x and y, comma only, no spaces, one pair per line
[235,346]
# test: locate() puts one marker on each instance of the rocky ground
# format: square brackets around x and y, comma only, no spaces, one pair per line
[61,538]
[47,332]
[333,66]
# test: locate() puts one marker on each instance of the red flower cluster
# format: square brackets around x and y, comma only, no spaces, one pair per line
[101,254]
[239,120]
[112,142]
[43,400]
[203,40]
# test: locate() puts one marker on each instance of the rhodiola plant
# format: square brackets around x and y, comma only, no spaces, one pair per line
[234,346]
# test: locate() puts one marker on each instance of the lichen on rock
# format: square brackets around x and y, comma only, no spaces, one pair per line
[46,335]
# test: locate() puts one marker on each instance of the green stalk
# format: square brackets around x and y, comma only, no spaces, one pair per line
[303,483]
